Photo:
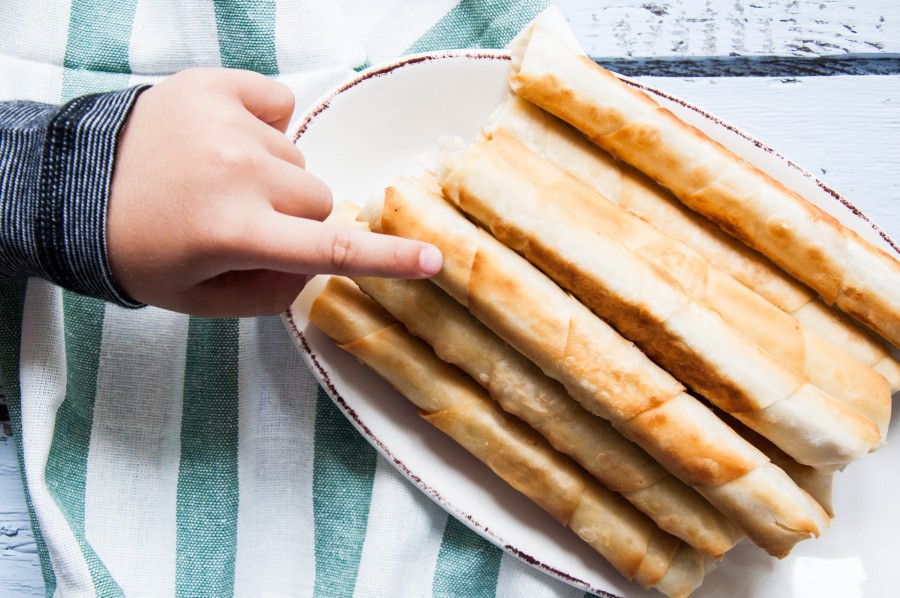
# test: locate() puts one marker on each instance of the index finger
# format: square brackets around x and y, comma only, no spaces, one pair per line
[291,244]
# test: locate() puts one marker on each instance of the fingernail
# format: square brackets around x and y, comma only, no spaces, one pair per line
[430,260]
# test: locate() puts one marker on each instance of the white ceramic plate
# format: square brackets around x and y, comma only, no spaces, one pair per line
[361,136]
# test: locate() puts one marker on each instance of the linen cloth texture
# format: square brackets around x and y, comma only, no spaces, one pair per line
[170,455]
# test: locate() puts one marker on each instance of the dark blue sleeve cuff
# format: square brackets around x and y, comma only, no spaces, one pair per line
[56,166]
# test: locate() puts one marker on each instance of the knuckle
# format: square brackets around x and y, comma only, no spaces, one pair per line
[203,81]
[342,252]
[401,251]
[231,158]
[234,232]
[286,150]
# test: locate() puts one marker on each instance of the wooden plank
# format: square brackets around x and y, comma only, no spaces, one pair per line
[691,28]
[756,66]
[20,573]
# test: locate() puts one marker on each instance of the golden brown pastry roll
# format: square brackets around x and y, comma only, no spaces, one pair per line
[459,407]
[841,331]
[500,169]
[565,147]
[815,481]
[810,244]
[524,391]
[521,198]
[604,372]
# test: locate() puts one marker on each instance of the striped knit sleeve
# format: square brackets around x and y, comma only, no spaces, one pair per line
[56,165]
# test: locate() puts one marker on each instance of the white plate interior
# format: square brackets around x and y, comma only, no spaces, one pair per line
[363,135]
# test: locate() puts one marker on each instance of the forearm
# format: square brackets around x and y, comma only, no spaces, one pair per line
[56,166]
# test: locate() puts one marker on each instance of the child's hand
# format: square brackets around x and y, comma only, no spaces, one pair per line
[212,213]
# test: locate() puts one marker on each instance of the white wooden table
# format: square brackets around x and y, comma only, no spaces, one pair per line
[817,80]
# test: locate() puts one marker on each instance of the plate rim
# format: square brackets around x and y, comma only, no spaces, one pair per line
[467,519]
[322,374]
[325,101]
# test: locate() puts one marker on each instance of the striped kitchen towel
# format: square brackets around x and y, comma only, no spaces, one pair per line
[171,455]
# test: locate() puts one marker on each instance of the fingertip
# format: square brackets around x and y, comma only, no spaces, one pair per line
[431,260]
[284,103]
[295,192]
[317,197]
[271,101]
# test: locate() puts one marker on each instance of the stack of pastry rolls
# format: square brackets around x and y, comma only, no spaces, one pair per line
[688,317]
[600,369]
[656,385]
[806,242]
[452,401]
[567,148]
[804,321]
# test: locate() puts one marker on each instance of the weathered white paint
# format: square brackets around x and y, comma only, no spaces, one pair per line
[846,130]
[641,28]
[20,573]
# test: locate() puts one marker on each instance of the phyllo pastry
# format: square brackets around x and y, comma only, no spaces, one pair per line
[600,369]
[568,149]
[807,242]
[451,401]
[657,293]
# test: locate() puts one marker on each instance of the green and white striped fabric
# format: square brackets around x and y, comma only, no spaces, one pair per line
[170,455]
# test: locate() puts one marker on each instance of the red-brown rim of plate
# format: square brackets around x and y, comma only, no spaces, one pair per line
[303,124]
[378,71]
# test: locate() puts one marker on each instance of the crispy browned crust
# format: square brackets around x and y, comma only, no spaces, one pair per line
[518,302]
[516,453]
[493,282]
[696,455]
[650,201]
[336,314]
[707,262]
[522,390]
[582,349]
[800,237]
[546,216]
